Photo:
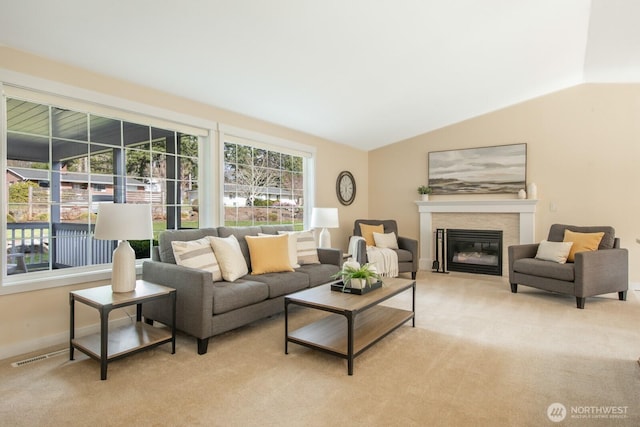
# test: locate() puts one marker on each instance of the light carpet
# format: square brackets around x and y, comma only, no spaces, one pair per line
[479,355]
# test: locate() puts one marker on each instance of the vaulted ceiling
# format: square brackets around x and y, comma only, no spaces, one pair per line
[365,73]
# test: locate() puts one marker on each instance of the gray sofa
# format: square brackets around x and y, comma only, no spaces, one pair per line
[602,271]
[205,308]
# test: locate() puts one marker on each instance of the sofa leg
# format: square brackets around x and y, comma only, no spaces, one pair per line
[622,295]
[514,288]
[580,302]
[413,275]
[203,344]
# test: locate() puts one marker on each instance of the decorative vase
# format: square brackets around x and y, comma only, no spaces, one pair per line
[532,191]
[424,197]
[522,194]
[358,283]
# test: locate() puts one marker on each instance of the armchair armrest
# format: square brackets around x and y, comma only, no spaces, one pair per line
[194,296]
[410,245]
[330,256]
[602,271]
[517,252]
[362,252]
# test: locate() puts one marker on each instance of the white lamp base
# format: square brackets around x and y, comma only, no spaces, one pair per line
[324,240]
[123,278]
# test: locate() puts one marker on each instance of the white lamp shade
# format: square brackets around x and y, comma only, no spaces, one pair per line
[122,221]
[324,218]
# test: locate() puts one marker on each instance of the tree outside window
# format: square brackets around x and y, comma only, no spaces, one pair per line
[262,186]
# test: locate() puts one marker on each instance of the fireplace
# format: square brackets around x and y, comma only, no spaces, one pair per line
[474,251]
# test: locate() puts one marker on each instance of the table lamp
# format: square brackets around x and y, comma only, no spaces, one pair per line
[122,221]
[324,218]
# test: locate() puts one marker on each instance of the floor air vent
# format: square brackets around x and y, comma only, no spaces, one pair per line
[40,357]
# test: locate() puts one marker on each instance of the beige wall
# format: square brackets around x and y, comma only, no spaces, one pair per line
[583,152]
[32,320]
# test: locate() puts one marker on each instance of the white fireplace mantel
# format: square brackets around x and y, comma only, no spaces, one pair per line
[524,207]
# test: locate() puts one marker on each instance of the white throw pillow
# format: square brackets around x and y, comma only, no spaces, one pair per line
[293,249]
[554,251]
[386,240]
[229,255]
[197,254]
[306,249]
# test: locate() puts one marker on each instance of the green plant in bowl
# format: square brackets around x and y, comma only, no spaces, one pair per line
[357,276]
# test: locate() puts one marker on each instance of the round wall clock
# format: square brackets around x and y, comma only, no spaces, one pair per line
[346,188]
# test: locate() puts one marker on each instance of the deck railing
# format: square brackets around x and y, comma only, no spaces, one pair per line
[69,245]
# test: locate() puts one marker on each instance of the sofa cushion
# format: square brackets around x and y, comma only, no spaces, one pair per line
[582,242]
[269,254]
[240,233]
[367,230]
[306,246]
[556,233]
[165,251]
[274,229]
[228,296]
[232,263]
[386,240]
[541,268]
[404,255]
[319,274]
[197,254]
[282,283]
[553,251]
[292,248]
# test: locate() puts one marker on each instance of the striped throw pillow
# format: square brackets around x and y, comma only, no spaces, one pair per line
[305,246]
[197,254]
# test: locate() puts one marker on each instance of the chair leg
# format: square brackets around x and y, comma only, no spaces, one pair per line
[622,295]
[203,344]
[580,302]
[514,288]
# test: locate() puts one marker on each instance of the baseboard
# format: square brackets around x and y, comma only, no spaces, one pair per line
[61,339]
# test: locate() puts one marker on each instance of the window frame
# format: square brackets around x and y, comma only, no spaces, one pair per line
[211,155]
[259,140]
[41,90]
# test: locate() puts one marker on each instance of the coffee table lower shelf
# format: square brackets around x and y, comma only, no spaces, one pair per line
[331,334]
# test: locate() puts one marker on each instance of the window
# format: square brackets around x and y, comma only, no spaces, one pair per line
[262,184]
[62,163]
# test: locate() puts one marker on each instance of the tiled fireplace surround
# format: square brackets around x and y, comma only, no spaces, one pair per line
[516,219]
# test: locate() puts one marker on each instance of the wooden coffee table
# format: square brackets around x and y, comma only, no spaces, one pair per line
[367,322]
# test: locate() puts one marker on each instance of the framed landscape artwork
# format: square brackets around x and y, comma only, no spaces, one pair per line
[497,169]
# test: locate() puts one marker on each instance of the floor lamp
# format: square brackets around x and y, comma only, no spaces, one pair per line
[324,218]
[122,221]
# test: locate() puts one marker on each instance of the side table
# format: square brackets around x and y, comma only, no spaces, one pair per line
[106,345]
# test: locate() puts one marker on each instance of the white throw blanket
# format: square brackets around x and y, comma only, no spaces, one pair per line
[384,259]
[353,247]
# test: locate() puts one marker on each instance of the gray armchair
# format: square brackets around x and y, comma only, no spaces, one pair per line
[602,271]
[407,248]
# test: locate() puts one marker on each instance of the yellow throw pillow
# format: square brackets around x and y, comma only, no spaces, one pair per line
[269,254]
[582,242]
[367,232]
